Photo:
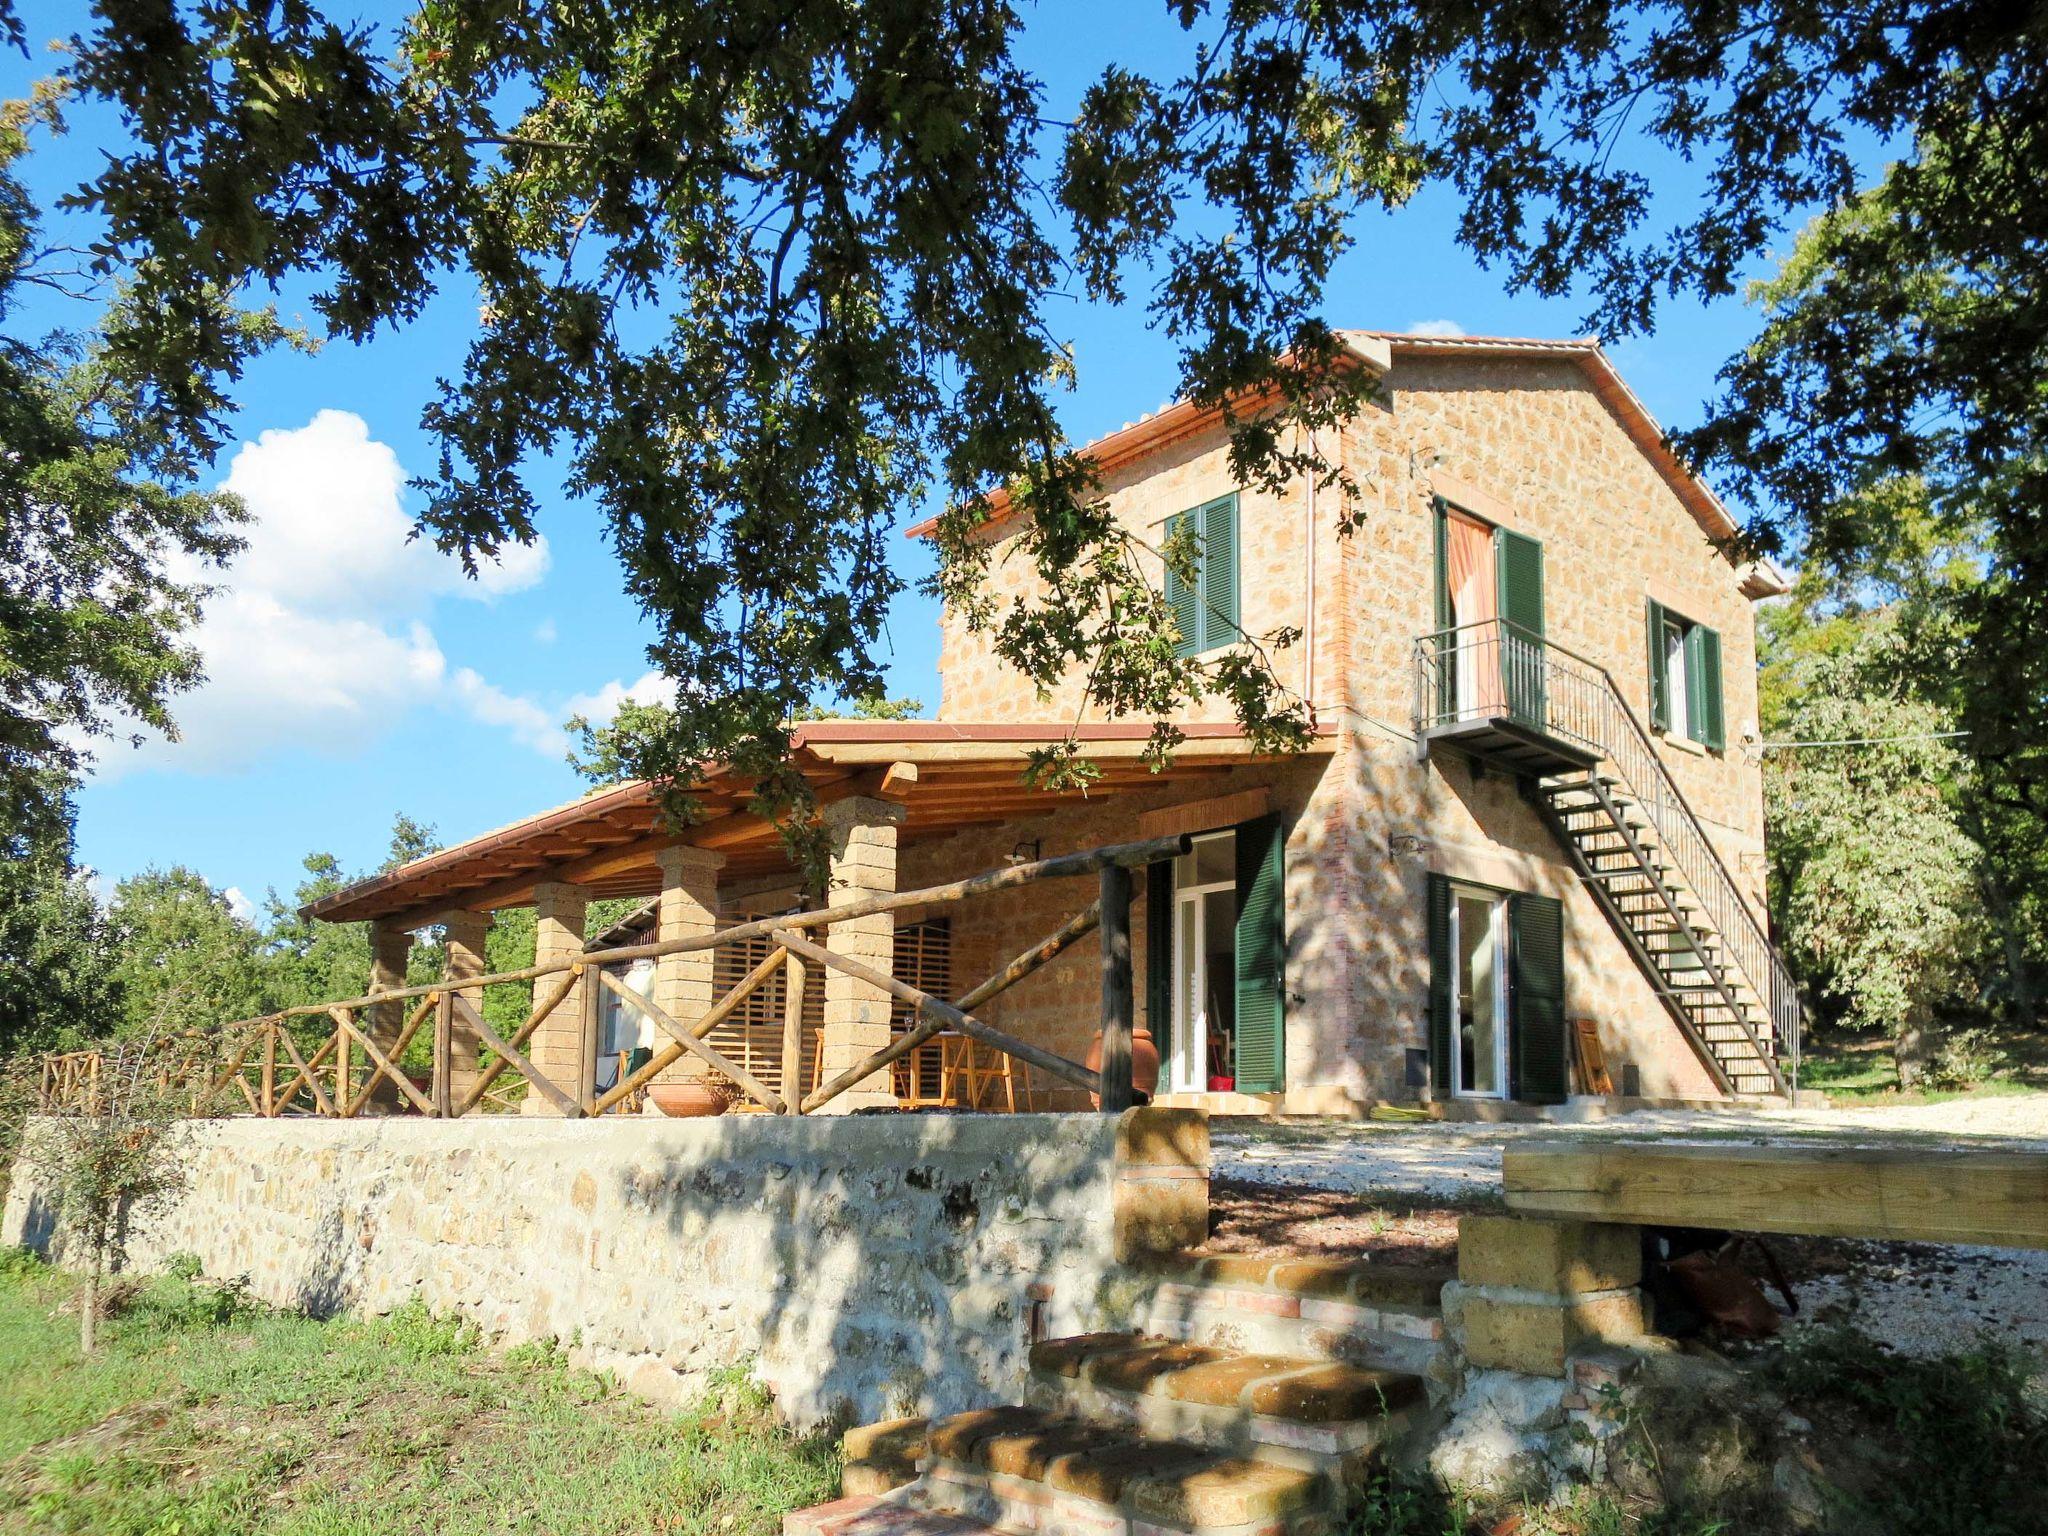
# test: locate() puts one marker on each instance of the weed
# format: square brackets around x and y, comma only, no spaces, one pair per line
[1963,1439]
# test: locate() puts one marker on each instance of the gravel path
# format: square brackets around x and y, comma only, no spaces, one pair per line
[1923,1298]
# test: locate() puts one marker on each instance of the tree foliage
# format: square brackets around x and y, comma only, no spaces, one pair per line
[1875,879]
[763,277]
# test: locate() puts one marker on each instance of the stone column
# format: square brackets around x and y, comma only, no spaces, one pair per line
[689,908]
[1532,1293]
[390,948]
[556,1047]
[862,835]
[463,935]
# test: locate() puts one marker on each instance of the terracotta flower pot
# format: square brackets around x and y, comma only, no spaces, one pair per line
[1144,1064]
[690,1101]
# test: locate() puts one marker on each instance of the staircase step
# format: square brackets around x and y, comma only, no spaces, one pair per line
[1250,1404]
[875,1458]
[874,1515]
[1332,1309]
[1026,1469]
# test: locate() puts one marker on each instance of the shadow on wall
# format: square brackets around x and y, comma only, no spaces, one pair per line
[866,1265]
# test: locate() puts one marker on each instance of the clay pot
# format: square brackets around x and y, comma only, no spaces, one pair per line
[689,1101]
[1144,1064]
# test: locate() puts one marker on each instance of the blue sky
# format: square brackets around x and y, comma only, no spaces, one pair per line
[354,676]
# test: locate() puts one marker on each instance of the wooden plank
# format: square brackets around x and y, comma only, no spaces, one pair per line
[758,1091]
[1076,927]
[307,1071]
[1906,1194]
[384,1068]
[490,1074]
[508,1055]
[932,1007]
[672,1053]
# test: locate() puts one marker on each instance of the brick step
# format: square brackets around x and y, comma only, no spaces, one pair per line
[1022,1469]
[1322,1414]
[870,1514]
[1365,1313]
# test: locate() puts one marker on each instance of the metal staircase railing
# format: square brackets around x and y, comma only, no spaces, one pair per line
[1495,669]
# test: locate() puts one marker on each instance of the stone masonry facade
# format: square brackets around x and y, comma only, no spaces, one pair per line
[864,1266]
[1526,444]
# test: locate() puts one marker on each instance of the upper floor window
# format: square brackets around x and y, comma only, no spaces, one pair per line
[1206,610]
[1685,678]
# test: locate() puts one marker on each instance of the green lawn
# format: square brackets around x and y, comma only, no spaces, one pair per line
[201,1416]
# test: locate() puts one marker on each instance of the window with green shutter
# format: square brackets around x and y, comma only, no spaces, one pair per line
[1685,677]
[1485,1042]
[1261,956]
[1536,999]
[1442,979]
[1206,610]
[1159,955]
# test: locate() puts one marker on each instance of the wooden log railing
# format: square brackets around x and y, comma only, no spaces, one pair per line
[276,1068]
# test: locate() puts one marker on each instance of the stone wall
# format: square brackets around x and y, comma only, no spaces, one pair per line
[869,1266]
[1525,443]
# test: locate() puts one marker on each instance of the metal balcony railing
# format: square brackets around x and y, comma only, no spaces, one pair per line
[1496,671]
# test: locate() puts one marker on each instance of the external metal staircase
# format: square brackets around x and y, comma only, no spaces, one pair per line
[1589,767]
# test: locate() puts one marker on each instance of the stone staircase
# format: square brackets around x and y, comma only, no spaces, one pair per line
[1247,1395]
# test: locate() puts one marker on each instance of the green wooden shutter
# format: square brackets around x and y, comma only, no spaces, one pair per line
[1518,575]
[1519,567]
[1261,956]
[1442,536]
[1184,598]
[1541,1072]
[1660,691]
[1159,955]
[1219,572]
[1446,700]
[1438,903]
[1703,711]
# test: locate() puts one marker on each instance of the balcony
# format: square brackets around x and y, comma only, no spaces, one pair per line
[1509,697]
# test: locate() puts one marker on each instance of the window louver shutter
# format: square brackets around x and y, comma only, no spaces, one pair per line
[1159,955]
[1519,566]
[1518,571]
[1703,687]
[1541,1070]
[1438,902]
[1261,956]
[1219,572]
[1184,599]
[1660,692]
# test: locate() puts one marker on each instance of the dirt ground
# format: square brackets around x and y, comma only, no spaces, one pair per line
[1329,1223]
[1394,1192]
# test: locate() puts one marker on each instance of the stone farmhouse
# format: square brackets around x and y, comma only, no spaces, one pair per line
[1522,862]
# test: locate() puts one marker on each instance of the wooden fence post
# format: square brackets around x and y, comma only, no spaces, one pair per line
[444,1056]
[793,1035]
[1116,989]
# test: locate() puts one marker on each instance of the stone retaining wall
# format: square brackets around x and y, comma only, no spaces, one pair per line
[870,1266]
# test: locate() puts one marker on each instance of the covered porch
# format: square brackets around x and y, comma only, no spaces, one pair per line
[902,1000]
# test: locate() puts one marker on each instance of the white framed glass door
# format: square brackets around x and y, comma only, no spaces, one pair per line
[1204,964]
[1479,953]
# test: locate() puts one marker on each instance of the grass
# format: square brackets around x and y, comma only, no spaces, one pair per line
[1861,1071]
[203,1415]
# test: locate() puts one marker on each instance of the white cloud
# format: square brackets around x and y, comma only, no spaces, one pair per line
[239,904]
[1445,328]
[602,707]
[529,723]
[316,635]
